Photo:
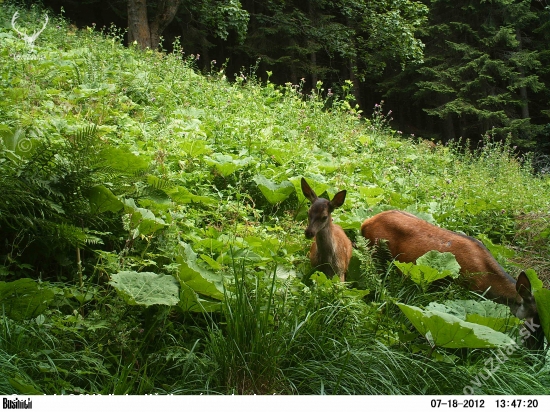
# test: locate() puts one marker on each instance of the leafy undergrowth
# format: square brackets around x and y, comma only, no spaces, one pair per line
[159,215]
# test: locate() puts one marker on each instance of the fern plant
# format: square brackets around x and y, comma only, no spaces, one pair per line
[44,211]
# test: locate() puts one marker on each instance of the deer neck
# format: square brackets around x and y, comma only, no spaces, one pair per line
[325,242]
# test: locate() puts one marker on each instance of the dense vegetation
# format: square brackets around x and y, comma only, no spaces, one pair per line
[151,231]
[469,66]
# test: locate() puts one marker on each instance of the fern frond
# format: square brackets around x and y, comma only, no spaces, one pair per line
[382,256]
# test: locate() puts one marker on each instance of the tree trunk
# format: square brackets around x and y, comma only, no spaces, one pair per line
[293,69]
[293,73]
[522,89]
[449,128]
[138,24]
[166,12]
[147,34]
[314,78]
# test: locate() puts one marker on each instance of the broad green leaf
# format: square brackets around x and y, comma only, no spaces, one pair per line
[445,330]
[430,267]
[485,308]
[211,262]
[122,160]
[17,141]
[498,251]
[103,200]
[372,195]
[5,133]
[428,217]
[356,293]
[146,288]
[192,113]
[237,253]
[190,301]
[274,192]
[419,274]
[181,195]
[264,246]
[325,161]
[188,125]
[22,387]
[499,324]
[328,165]
[353,219]
[212,245]
[24,299]
[285,273]
[227,164]
[445,262]
[143,220]
[281,155]
[487,313]
[195,148]
[542,297]
[536,283]
[321,280]
[400,200]
[196,281]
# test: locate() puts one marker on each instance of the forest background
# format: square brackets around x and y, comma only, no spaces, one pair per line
[446,69]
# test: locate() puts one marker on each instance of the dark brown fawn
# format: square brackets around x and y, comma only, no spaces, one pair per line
[331,250]
[410,237]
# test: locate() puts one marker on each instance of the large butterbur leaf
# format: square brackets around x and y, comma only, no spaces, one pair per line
[227,164]
[143,221]
[282,154]
[146,288]
[498,251]
[201,289]
[536,283]
[103,200]
[274,192]
[24,299]
[445,262]
[181,195]
[487,313]
[446,330]
[372,194]
[542,297]
[193,302]
[122,160]
[195,148]
[430,267]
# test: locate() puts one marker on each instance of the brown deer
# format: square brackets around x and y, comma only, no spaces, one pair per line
[410,237]
[331,250]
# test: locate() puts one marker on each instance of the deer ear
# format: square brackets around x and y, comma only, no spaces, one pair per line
[338,199]
[523,286]
[308,191]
